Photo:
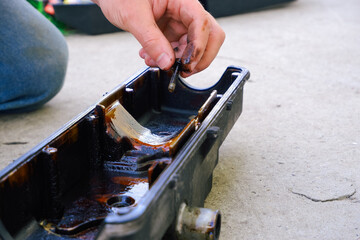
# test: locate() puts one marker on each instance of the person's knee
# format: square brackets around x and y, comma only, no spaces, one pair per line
[49,71]
[33,61]
[46,65]
[38,79]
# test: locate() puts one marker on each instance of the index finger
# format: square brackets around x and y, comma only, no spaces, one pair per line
[216,39]
[196,19]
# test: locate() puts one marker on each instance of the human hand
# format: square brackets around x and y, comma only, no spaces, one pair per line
[168,29]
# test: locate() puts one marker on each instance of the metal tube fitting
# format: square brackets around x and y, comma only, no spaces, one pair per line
[198,223]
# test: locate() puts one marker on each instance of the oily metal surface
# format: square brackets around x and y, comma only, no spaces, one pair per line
[82,180]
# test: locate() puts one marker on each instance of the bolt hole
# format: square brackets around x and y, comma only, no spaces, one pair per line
[120,201]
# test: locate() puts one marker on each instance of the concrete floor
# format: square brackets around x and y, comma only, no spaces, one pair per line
[289,168]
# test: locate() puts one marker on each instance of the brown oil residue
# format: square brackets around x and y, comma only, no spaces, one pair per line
[171,145]
[109,115]
[103,198]
[139,145]
[83,215]
[203,28]
[91,203]
[127,181]
[70,136]
[115,185]
[174,144]
[19,176]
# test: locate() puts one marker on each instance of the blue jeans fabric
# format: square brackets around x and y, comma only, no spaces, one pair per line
[33,57]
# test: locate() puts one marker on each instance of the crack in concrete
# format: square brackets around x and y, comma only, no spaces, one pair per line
[15,143]
[340,198]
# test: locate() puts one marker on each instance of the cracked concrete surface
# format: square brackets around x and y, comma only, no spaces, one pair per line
[323,188]
[289,168]
[340,198]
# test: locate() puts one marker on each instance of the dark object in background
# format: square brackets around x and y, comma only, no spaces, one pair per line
[84,183]
[231,7]
[88,17]
[85,17]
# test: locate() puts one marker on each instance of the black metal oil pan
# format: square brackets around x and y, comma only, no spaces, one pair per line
[87,182]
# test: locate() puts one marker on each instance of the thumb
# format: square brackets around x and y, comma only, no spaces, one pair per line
[151,38]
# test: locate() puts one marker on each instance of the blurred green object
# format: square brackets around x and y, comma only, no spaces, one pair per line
[40,5]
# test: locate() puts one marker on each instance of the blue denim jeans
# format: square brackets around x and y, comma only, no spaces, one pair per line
[33,57]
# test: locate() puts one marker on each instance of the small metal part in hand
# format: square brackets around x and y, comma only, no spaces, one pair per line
[175,75]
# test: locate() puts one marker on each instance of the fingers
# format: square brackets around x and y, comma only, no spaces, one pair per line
[215,40]
[153,41]
[137,17]
[204,38]
[195,18]
[167,30]
[177,46]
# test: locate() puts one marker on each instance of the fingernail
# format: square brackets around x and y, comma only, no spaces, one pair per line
[143,55]
[163,61]
[152,63]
